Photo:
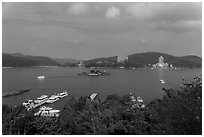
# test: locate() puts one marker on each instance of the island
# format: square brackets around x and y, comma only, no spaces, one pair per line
[94,73]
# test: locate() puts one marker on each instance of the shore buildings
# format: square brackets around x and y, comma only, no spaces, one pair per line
[161,63]
[122,58]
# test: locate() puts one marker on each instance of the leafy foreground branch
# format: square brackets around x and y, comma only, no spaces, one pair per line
[179,112]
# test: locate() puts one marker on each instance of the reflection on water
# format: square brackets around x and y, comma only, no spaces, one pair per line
[41,80]
[161,73]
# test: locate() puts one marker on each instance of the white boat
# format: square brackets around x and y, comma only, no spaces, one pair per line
[93,96]
[41,99]
[28,102]
[41,77]
[162,81]
[139,99]
[50,113]
[132,98]
[52,99]
[63,94]
[141,106]
[93,74]
[45,108]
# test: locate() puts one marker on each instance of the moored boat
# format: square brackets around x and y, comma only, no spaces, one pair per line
[45,108]
[162,81]
[93,96]
[41,99]
[41,77]
[93,74]
[52,99]
[62,94]
[139,99]
[132,98]
[48,112]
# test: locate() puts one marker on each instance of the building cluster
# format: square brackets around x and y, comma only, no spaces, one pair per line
[122,58]
[161,63]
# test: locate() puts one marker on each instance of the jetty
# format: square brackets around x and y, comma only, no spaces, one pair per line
[31,104]
[14,93]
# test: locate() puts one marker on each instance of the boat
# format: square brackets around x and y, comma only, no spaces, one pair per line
[41,98]
[28,105]
[50,113]
[45,108]
[93,74]
[41,77]
[39,101]
[93,96]
[132,98]
[141,106]
[28,102]
[162,81]
[52,99]
[14,93]
[63,94]
[139,99]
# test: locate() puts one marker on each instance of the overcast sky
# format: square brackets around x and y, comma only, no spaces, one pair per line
[90,30]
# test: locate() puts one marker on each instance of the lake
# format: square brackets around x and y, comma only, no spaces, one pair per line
[144,82]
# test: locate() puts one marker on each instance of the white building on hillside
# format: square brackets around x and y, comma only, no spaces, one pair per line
[122,58]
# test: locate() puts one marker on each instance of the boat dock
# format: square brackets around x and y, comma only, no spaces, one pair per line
[31,104]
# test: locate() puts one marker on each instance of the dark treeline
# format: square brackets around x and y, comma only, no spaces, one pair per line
[179,112]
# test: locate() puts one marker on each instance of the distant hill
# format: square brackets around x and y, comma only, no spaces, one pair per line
[67,62]
[134,60]
[19,60]
[144,59]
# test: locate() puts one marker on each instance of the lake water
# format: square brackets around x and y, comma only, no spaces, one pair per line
[143,82]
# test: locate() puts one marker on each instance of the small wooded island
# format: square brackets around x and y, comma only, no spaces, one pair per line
[94,73]
[179,112]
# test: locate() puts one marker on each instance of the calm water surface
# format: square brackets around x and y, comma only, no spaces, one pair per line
[143,82]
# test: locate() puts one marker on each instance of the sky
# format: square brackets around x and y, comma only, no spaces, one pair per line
[92,30]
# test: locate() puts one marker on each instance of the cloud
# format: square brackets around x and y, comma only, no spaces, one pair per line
[165,11]
[113,12]
[32,48]
[77,8]
[141,10]
[172,17]
[180,26]
[143,41]
[74,41]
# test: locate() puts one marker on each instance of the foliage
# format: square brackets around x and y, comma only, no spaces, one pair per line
[178,112]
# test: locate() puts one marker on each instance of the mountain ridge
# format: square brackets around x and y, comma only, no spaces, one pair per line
[146,58]
[134,60]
